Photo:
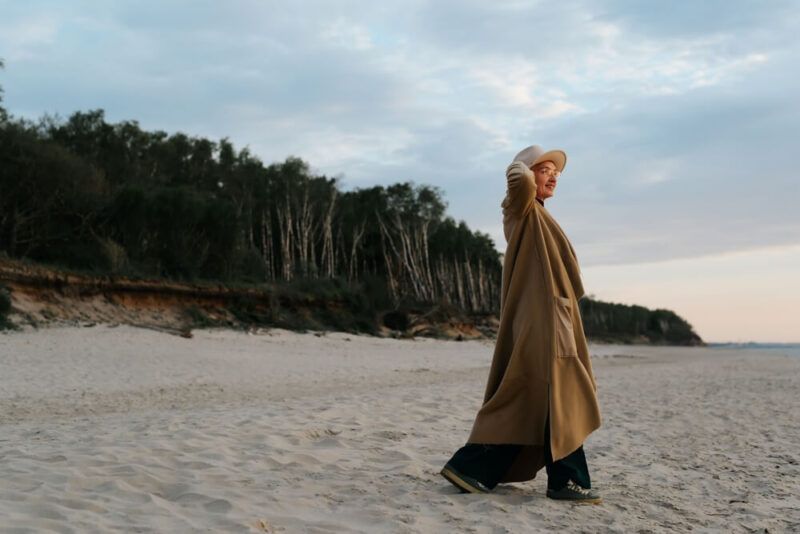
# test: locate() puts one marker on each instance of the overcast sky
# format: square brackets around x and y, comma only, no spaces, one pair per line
[680,119]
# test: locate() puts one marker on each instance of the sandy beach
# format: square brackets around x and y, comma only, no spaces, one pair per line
[108,429]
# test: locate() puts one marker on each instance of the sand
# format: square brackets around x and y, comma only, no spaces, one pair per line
[109,429]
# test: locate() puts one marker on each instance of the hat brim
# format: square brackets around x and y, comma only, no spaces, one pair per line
[558,157]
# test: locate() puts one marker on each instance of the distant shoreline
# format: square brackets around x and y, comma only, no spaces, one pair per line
[752,344]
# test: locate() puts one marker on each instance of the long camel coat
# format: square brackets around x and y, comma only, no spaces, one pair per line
[541,358]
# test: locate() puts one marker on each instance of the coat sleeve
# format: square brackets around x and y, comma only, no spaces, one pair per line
[521,193]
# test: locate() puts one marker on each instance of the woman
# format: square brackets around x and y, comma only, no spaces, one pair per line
[540,402]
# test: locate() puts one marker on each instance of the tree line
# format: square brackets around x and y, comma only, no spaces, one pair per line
[114,198]
[624,323]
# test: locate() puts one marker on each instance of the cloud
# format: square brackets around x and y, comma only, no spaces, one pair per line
[678,122]
[343,33]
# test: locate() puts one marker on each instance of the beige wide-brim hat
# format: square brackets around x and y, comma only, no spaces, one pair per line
[535,154]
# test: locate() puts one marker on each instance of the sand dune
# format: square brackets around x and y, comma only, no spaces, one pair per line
[122,429]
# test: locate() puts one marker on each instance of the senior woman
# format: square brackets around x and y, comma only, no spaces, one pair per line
[540,402]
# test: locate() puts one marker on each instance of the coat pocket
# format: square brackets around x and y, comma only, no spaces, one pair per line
[565,333]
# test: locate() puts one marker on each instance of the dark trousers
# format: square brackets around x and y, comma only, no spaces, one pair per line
[488,463]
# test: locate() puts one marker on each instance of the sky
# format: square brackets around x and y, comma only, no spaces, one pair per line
[680,119]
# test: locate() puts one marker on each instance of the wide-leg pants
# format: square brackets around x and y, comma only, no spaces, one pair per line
[488,463]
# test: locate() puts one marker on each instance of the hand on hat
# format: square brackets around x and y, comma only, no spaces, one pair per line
[521,189]
[517,170]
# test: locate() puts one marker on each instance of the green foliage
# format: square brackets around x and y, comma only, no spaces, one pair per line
[5,301]
[49,198]
[87,194]
[112,198]
[198,318]
[177,232]
[622,323]
[5,308]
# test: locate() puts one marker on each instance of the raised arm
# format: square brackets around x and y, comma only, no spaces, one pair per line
[521,193]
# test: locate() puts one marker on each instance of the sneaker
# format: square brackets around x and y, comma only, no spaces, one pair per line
[574,492]
[463,482]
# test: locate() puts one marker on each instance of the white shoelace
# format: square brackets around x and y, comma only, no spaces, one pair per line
[575,487]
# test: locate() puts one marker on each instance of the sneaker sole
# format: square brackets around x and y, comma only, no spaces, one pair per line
[459,482]
[579,501]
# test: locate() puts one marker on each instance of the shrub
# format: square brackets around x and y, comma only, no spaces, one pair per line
[5,308]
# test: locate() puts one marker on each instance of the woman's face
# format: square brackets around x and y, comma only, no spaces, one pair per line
[546,177]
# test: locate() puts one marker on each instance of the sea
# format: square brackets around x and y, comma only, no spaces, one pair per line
[788,349]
